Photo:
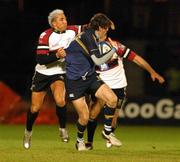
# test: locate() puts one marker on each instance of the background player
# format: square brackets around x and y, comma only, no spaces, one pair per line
[113,74]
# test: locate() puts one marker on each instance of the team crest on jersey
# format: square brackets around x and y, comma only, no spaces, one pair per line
[42,35]
[71,95]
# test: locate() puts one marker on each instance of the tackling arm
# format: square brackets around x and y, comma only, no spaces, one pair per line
[145,65]
[46,58]
[125,52]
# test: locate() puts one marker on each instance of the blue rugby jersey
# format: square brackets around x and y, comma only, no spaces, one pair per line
[83,53]
[77,64]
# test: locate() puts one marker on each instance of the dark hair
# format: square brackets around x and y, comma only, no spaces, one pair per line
[100,20]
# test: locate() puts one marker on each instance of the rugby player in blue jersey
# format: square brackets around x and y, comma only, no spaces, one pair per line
[81,78]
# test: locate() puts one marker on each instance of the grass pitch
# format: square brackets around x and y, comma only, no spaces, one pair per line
[140,144]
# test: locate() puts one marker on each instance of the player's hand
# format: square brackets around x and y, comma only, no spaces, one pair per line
[155,76]
[113,43]
[61,53]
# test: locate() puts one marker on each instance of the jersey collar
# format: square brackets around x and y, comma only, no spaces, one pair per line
[58,32]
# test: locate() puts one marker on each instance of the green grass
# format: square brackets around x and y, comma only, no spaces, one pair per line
[140,144]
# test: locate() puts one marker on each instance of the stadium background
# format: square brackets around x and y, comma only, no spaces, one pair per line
[149,27]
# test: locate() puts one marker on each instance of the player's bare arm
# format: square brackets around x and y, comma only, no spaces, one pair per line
[145,65]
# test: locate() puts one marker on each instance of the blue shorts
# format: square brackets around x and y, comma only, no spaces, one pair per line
[80,87]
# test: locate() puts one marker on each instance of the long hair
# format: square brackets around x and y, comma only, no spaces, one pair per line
[101,20]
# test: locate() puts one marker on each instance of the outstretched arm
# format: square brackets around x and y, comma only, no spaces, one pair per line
[145,65]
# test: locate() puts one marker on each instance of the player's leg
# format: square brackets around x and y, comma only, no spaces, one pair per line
[113,124]
[121,94]
[76,91]
[37,101]
[114,120]
[83,116]
[95,108]
[120,105]
[58,91]
[110,99]
[39,86]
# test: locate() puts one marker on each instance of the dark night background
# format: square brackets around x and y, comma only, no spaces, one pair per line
[149,27]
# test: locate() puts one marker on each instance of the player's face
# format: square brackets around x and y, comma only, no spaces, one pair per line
[60,22]
[103,38]
[102,32]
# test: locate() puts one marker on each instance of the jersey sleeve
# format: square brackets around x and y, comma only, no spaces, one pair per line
[43,55]
[76,28]
[91,44]
[125,52]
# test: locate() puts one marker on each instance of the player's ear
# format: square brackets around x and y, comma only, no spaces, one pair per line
[53,24]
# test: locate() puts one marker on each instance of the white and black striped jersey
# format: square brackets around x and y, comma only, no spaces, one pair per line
[49,42]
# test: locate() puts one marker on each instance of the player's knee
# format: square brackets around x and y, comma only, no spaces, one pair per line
[112,102]
[84,119]
[60,102]
[94,114]
[35,108]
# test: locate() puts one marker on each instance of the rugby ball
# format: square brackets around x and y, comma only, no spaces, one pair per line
[104,47]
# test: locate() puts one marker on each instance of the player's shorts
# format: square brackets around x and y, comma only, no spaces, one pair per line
[41,82]
[120,92]
[79,88]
